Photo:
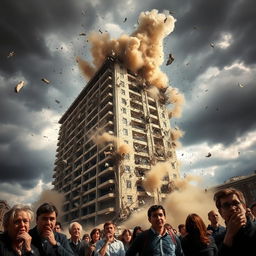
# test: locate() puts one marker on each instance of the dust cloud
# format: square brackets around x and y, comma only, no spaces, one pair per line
[101,138]
[187,198]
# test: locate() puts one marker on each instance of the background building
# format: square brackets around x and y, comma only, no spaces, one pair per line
[98,183]
[246,184]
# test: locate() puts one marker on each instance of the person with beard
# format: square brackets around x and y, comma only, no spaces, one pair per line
[16,240]
[240,236]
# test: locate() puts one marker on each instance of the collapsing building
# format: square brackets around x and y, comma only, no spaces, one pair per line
[100,183]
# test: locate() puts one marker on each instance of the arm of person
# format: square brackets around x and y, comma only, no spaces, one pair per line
[102,247]
[178,250]
[122,250]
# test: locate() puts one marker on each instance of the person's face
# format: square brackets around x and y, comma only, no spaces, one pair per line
[109,229]
[96,236]
[46,222]
[254,210]
[75,231]
[87,239]
[183,231]
[213,217]
[127,237]
[57,228]
[157,219]
[230,205]
[18,225]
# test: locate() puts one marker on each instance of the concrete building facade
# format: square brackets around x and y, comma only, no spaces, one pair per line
[246,184]
[98,184]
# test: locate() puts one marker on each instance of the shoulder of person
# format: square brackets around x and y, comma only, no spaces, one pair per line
[60,237]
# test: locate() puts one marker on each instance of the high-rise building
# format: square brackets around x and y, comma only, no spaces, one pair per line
[98,183]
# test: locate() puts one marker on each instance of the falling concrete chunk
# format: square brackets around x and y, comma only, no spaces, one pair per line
[100,31]
[19,86]
[125,20]
[170,60]
[57,101]
[240,85]
[209,155]
[11,54]
[212,45]
[82,34]
[165,19]
[45,80]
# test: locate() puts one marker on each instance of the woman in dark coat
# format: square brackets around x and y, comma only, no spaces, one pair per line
[197,242]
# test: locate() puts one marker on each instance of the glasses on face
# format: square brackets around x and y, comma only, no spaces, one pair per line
[227,205]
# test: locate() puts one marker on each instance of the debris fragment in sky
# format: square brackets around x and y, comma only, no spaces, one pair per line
[83,12]
[82,34]
[100,31]
[212,45]
[170,60]
[11,54]
[45,136]
[19,86]
[45,80]
[125,19]
[209,155]
[165,19]
[195,27]
[57,101]
[240,85]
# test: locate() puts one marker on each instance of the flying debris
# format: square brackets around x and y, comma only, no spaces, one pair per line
[45,80]
[83,12]
[45,136]
[170,60]
[57,101]
[19,86]
[125,20]
[165,19]
[195,27]
[11,54]
[212,45]
[240,85]
[82,34]
[100,31]
[209,155]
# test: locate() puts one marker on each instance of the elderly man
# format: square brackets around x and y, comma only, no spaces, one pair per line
[80,248]
[156,240]
[240,235]
[109,246]
[49,242]
[16,240]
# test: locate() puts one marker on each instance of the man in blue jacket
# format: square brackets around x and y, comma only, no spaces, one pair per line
[48,242]
[157,240]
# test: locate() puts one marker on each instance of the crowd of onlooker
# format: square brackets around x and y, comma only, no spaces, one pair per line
[192,238]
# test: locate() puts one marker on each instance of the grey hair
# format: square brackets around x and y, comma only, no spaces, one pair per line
[71,225]
[9,215]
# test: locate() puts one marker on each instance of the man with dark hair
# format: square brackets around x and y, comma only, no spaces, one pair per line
[156,240]
[58,227]
[49,242]
[215,229]
[240,236]
[109,246]
[182,231]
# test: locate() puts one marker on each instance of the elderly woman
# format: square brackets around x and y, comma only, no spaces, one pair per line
[16,240]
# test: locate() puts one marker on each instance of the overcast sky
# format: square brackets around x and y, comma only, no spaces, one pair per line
[213,44]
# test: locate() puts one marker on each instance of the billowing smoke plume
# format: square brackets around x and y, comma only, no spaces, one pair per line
[176,134]
[122,147]
[178,204]
[153,178]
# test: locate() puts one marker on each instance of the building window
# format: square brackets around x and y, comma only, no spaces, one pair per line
[125,131]
[125,122]
[165,125]
[123,110]
[124,101]
[174,175]
[129,199]
[127,168]
[126,141]
[122,83]
[163,115]
[128,184]
[123,91]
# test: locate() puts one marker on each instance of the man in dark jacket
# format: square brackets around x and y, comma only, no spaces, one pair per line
[240,236]
[16,240]
[156,240]
[48,242]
